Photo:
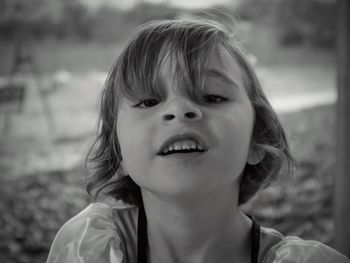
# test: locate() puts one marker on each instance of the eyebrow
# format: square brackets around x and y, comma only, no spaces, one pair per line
[223,76]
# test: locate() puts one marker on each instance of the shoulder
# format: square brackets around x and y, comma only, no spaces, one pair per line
[90,236]
[276,248]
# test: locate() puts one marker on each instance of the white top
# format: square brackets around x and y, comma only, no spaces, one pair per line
[108,234]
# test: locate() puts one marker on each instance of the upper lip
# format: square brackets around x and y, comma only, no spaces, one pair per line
[181,137]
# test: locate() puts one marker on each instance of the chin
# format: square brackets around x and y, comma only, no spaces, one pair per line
[183,185]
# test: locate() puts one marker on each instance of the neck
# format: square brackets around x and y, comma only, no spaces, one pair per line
[198,228]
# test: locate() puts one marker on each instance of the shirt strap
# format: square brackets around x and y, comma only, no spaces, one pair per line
[142,238]
[255,237]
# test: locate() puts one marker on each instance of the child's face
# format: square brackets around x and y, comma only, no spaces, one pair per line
[223,127]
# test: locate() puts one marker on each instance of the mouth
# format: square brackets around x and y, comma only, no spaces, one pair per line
[183,144]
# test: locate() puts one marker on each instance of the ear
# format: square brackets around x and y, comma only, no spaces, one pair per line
[255,155]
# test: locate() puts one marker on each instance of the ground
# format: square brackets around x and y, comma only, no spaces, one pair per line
[37,197]
[41,153]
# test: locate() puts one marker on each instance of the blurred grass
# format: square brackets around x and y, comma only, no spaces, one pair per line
[33,206]
[42,180]
[302,205]
[32,209]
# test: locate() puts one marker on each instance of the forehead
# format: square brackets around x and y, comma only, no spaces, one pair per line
[219,64]
[189,69]
[224,65]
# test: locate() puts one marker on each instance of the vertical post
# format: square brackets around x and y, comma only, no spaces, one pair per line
[342,180]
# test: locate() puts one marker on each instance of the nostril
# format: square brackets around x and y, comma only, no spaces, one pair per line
[190,115]
[169,117]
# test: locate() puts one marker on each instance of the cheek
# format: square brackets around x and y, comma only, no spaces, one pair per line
[234,135]
[134,156]
[134,140]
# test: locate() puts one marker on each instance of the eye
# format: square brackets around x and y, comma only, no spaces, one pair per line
[212,98]
[148,103]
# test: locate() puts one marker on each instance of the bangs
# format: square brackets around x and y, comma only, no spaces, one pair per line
[184,45]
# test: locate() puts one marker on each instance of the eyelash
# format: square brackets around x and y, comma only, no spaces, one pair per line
[208,98]
[212,98]
[143,103]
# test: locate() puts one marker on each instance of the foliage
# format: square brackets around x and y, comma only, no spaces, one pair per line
[107,25]
[312,21]
[111,24]
[34,206]
[71,19]
[303,204]
[75,22]
[254,9]
[309,21]
[22,17]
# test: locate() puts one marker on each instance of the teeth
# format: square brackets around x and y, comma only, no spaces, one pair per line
[178,146]
[184,145]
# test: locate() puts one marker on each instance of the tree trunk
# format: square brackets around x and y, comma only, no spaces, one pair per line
[342,180]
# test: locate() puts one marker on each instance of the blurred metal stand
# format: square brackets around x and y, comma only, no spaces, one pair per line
[342,180]
[12,93]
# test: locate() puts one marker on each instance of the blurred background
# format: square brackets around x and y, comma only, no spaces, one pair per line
[55,55]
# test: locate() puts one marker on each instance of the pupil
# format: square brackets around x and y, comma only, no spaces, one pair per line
[149,103]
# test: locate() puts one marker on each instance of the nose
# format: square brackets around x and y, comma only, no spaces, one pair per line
[182,110]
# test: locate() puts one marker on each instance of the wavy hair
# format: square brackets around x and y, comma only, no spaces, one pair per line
[188,40]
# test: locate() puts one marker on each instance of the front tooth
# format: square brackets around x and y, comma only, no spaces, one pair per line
[177,146]
[193,146]
[185,147]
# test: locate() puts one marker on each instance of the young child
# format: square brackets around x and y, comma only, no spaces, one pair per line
[186,137]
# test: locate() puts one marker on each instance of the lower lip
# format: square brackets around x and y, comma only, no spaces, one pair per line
[183,156]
